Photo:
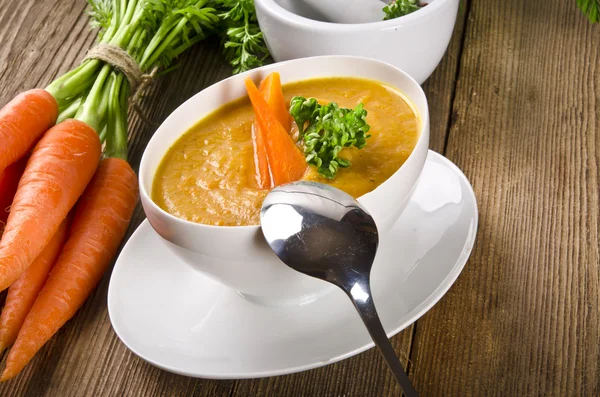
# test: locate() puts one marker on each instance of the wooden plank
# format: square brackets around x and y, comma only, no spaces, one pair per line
[440,86]
[40,39]
[523,318]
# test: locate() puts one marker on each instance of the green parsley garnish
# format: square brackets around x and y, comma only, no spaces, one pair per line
[326,129]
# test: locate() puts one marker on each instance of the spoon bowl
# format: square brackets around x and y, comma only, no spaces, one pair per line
[320,231]
[323,232]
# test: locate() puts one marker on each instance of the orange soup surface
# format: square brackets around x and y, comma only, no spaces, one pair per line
[208,175]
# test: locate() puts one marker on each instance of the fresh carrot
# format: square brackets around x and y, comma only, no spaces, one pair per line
[99,224]
[286,161]
[22,293]
[61,165]
[9,180]
[23,121]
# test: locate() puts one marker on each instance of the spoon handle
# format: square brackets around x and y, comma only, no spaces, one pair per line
[361,296]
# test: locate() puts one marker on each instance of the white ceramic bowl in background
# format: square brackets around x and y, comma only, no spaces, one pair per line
[238,256]
[414,43]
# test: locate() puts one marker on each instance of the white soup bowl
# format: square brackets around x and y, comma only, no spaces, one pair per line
[414,43]
[238,256]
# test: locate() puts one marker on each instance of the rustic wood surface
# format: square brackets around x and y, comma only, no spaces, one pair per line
[516,104]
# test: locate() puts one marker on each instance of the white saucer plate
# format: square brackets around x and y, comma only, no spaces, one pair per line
[181,321]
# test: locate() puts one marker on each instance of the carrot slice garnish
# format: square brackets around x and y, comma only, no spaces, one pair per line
[286,161]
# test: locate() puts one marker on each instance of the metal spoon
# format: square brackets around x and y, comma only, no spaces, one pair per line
[323,232]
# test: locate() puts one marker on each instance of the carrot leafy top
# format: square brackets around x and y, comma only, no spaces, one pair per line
[326,129]
[153,33]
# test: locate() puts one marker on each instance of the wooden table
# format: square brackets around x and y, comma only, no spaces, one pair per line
[515,104]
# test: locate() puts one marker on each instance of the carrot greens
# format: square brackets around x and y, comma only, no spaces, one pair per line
[326,129]
[153,33]
[244,43]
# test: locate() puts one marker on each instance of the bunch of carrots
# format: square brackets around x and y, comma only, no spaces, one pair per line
[64,212]
[64,209]
[277,158]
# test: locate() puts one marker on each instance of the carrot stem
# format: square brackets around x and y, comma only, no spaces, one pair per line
[88,112]
[69,111]
[74,82]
